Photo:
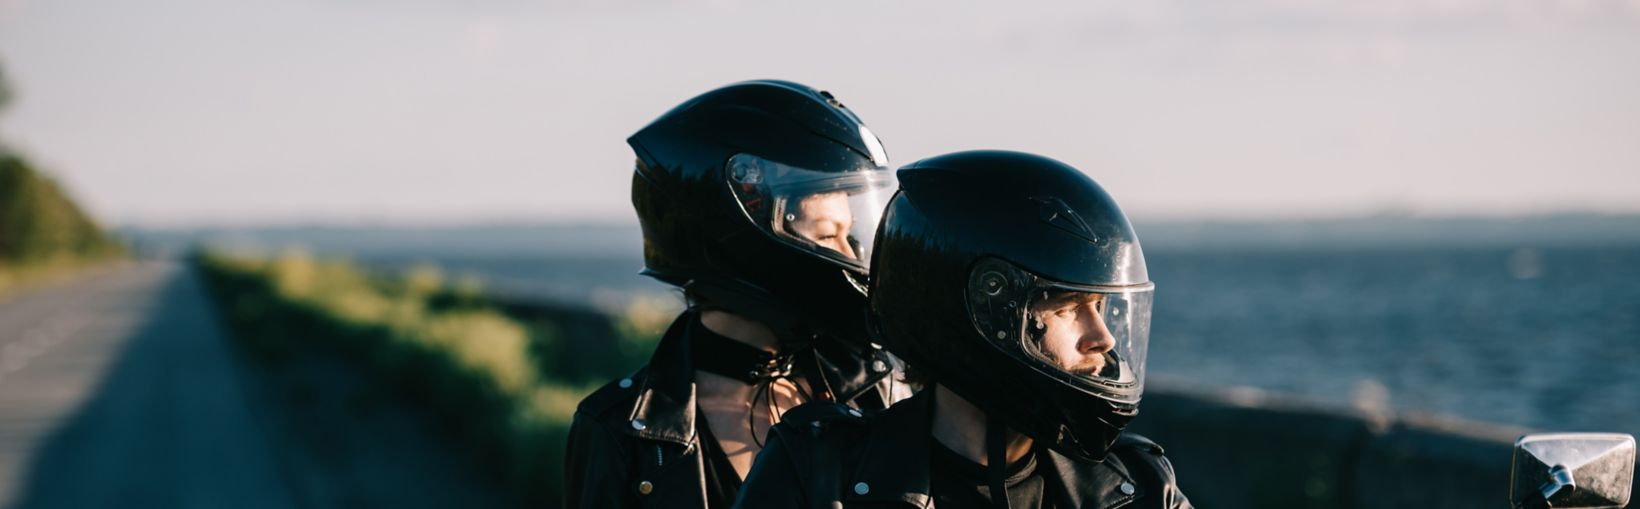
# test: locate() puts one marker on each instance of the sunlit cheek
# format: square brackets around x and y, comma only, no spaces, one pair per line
[1060,340]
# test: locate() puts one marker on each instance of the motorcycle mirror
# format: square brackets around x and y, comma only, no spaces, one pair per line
[1584,470]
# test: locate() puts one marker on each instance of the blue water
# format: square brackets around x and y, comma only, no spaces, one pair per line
[1540,337]
[1545,337]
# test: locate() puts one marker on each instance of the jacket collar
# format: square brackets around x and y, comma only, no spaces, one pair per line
[1087,482]
[665,409]
[849,370]
[894,464]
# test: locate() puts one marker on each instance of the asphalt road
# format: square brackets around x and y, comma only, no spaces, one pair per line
[119,390]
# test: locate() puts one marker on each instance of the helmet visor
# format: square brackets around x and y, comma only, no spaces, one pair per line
[830,214]
[1091,337]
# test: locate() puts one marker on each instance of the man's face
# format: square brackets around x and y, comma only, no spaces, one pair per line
[1072,331]
[824,219]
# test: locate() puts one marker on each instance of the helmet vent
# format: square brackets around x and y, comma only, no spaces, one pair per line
[1055,212]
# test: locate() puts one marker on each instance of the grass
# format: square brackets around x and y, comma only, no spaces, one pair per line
[19,277]
[502,378]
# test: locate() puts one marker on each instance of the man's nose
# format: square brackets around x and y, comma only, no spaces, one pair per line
[1096,337]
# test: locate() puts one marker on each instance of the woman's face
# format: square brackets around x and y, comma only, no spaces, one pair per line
[826,220]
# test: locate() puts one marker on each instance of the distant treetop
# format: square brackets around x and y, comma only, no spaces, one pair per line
[5,89]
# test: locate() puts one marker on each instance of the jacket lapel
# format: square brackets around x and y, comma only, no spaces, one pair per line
[665,408]
[894,462]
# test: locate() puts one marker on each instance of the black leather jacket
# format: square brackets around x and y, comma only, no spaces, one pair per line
[634,442]
[826,456]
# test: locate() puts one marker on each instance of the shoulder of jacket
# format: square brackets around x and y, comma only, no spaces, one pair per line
[1135,441]
[1149,465]
[817,436]
[817,412]
[615,395]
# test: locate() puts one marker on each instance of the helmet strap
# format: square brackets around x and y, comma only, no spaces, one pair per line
[996,456]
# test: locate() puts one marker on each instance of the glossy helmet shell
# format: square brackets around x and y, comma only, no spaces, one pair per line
[955,210]
[697,236]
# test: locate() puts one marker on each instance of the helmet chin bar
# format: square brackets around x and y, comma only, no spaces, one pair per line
[1092,440]
[796,326]
[757,304]
[1072,426]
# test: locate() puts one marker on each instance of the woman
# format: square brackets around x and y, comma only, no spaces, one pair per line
[759,201]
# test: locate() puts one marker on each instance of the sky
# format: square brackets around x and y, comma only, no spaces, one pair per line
[228,112]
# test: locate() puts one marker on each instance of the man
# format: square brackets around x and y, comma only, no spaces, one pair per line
[758,200]
[1014,286]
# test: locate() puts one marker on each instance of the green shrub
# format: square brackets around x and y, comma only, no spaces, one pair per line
[38,223]
[43,234]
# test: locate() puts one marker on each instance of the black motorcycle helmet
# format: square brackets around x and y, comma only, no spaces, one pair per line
[761,198]
[973,250]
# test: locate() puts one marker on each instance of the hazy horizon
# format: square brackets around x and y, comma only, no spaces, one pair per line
[628,220]
[623,240]
[192,112]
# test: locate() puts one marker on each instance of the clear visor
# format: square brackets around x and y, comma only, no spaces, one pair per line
[1094,337]
[831,214]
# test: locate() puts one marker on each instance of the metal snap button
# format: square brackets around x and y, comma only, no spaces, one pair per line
[638,425]
[645,487]
[626,383]
[1127,488]
[879,366]
[861,488]
[854,412]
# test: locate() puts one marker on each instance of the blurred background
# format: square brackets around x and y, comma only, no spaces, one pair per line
[1406,206]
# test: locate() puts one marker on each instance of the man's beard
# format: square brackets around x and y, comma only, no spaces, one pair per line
[1090,367]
